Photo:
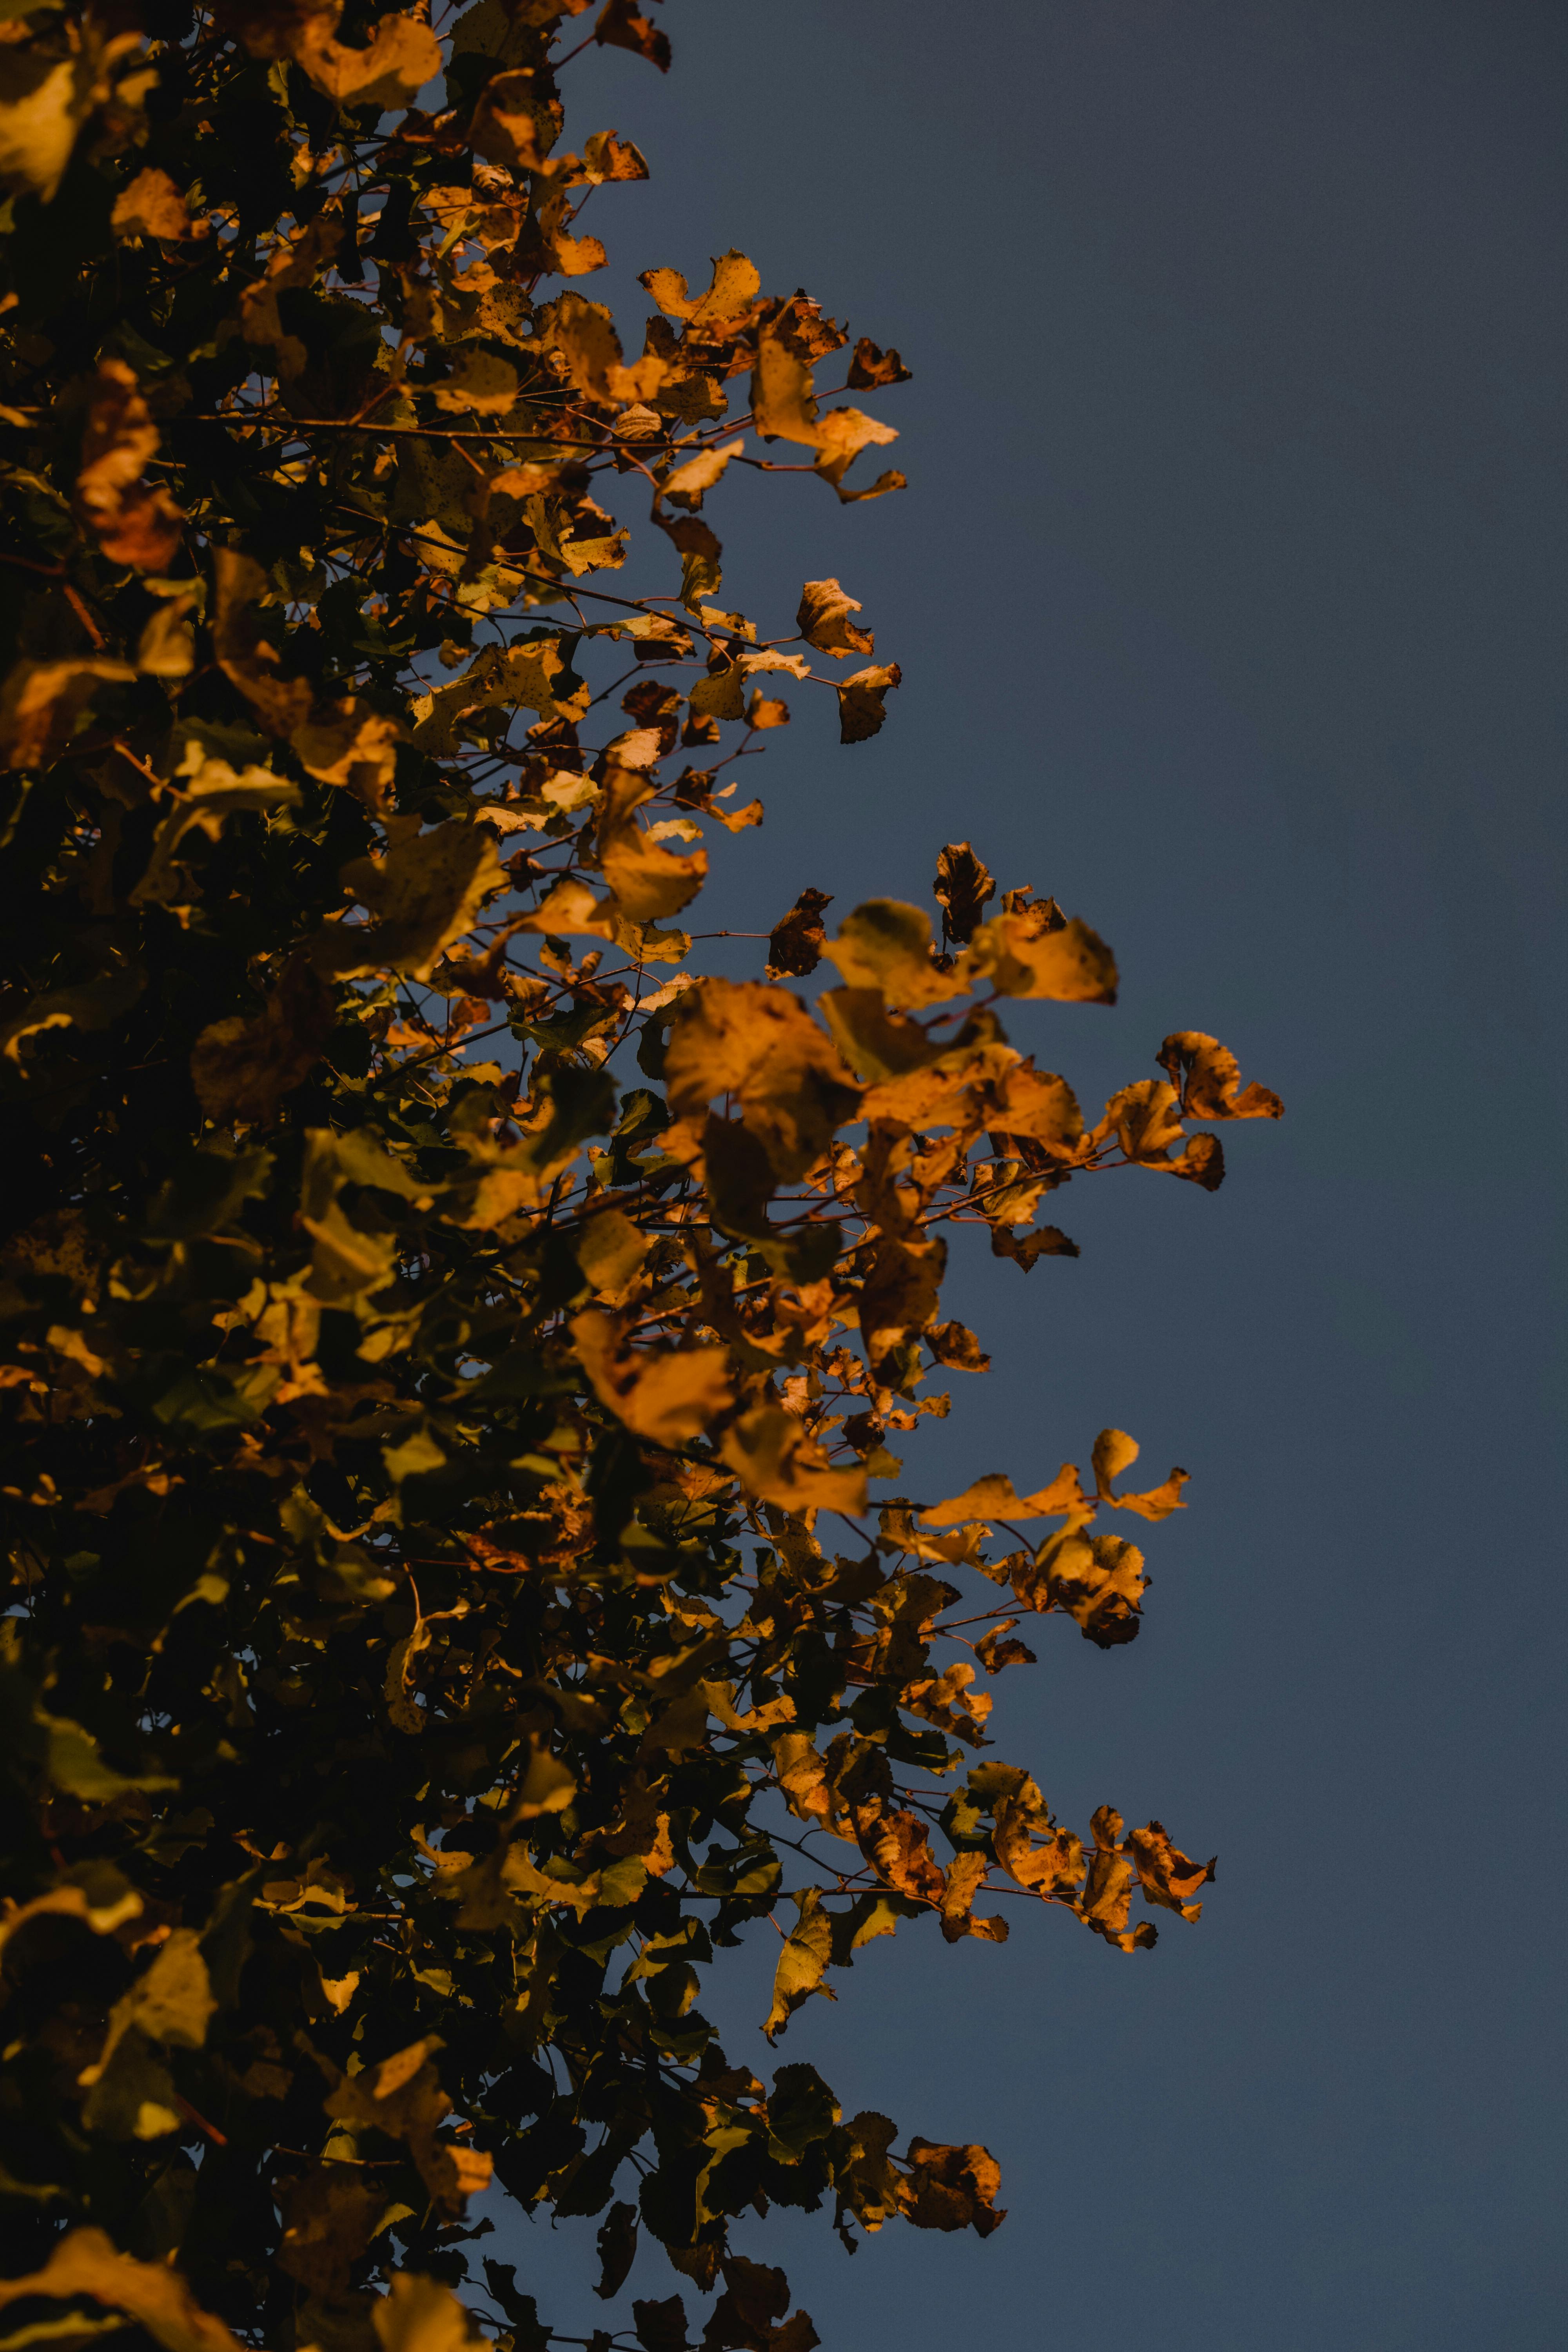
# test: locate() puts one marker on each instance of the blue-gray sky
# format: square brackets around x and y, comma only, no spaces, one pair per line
[1229,593]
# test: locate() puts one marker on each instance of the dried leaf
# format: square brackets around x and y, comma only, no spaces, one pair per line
[888,945]
[777,1460]
[667,1395]
[1209,1076]
[824,621]
[1168,1876]
[150,206]
[761,1045]
[965,885]
[134,521]
[621,24]
[862,707]
[424,894]
[86,2262]
[403,56]
[1071,965]
[952,2189]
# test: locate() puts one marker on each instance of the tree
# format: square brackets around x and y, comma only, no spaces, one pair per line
[446,1342]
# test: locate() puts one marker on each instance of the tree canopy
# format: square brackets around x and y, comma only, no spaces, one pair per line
[448,1339]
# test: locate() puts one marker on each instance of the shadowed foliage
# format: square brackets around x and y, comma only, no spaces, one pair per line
[447,1339]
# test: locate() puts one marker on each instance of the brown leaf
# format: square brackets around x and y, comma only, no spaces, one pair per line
[616,2242]
[1108,1893]
[1144,1118]
[898,1846]
[870,367]
[621,26]
[955,1346]
[244,655]
[965,1877]
[861,707]
[761,1045]
[1169,1877]
[667,1395]
[40,703]
[823,620]
[1045,1243]
[242,1068]
[423,894]
[134,521]
[1097,1580]
[1209,1076]
[964,885]
[952,2189]
[150,206]
[328,2219]
[795,941]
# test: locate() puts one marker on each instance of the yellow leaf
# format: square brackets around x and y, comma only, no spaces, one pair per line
[420,2314]
[667,1395]
[1209,1076]
[402,57]
[887,945]
[483,383]
[1168,1876]
[1071,965]
[761,1045]
[348,743]
[1114,1452]
[801,1962]
[862,708]
[170,2003]
[150,206]
[775,1459]
[729,295]
[686,484]
[244,655]
[87,2262]
[40,703]
[424,894]
[840,436]
[783,406]
[993,1497]
[824,621]
[611,1250]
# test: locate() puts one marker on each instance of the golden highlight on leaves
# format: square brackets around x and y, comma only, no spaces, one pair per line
[453,1332]
[663,1395]
[134,521]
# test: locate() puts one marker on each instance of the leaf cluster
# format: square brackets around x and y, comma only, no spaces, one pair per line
[447,1341]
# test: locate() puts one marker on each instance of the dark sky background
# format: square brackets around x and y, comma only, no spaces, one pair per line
[1229,593]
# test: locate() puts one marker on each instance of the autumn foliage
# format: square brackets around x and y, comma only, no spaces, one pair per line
[449,1341]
